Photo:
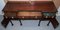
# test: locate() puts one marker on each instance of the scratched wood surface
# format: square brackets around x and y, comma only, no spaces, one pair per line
[43,6]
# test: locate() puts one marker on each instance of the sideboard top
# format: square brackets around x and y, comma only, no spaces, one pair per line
[43,6]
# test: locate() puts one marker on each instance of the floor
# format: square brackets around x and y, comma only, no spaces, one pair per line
[28,25]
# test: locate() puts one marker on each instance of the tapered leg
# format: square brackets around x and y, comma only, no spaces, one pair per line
[48,23]
[5,22]
[39,23]
[11,23]
[20,22]
[54,22]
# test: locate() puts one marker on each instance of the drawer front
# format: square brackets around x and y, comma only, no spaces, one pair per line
[10,14]
[49,15]
[29,14]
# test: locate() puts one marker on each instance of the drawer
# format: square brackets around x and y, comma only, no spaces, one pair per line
[49,15]
[29,14]
[10,14]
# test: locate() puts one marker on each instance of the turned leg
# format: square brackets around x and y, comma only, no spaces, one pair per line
[48,23]
[39,23]
[20,22]
[11,23]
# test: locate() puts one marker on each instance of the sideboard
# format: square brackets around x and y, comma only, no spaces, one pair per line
[34,10]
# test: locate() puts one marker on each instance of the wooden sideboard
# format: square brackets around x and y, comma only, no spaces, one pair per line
[38,10]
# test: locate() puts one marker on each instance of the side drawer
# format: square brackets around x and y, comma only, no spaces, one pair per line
[49,15]
[10,14]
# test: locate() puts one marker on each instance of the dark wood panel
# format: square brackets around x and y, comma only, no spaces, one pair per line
[39,6]
[10,14]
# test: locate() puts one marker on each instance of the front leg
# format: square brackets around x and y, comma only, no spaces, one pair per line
[39,23]
[54,22]
[20,22]
[11,23]
[48,23]
[5,22]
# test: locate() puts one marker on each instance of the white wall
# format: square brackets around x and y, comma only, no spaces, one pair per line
[57,3]
[58,18]
[5,1]
[29,0]
[58,14]
[2,4]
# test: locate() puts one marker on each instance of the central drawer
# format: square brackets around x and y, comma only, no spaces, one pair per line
[29,14]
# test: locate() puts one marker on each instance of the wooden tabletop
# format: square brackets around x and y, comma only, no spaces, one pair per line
[43,6]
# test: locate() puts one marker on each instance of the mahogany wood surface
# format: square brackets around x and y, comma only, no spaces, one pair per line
[43,6]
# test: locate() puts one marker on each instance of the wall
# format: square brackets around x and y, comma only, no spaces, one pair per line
[2,4]
[5,1]
[57,3]
[58,14]
[29,0]
[58,18]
